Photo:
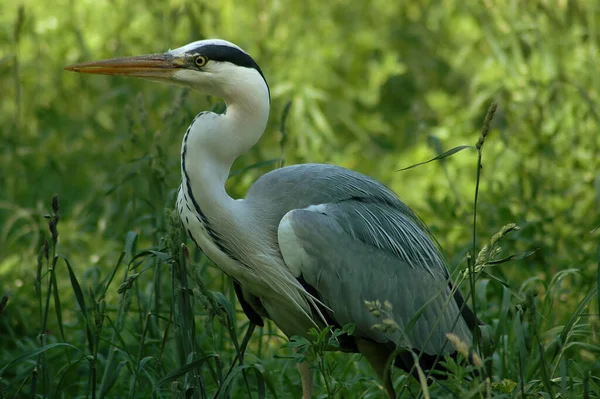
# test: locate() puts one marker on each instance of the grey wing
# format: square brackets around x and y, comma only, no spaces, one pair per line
[354,251]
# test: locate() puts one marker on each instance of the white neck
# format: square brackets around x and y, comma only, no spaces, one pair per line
[213,142]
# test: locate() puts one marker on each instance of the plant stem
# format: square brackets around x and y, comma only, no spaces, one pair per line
[471,262]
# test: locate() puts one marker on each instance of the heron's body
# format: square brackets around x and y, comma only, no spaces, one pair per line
[309,244]
[321,193]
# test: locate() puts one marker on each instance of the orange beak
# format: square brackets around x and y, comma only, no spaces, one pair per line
[143,66]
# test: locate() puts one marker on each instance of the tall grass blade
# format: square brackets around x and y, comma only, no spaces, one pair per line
[3,302]
[119,337]
[65,374]
[130,245]
[198,363]
[32,374]
[517,256]
[544,368]
[471,264]
[57,305]
[116,327]
[80,301]
[446,154]
[598,280]
[35,352]
[108,281]
[421,374]
[110,378]
[228,383]
[284,133]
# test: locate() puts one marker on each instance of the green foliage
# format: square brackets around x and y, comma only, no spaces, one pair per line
[116,307]
[314,350]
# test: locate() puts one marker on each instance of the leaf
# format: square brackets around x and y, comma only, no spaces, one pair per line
[129,176]
[185,369]
[130,244]
[521,344]
[107,282]
[598,279]
[517,256]
[36,352]
[239,370]
[57,305]
[80,301]
[144,361]
[497,279]
[349,328]
[296,343]
[576,314]
[65,374]
[448,153]
[226,308]
[421,374]
[111,379]
[123,347]
[544,369]
[163,256]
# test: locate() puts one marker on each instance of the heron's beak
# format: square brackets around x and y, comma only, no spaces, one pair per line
[143,66]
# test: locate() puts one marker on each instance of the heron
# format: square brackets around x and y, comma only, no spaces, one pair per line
[309,244]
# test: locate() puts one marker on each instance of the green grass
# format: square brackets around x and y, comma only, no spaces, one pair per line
[116,307]
[152,327]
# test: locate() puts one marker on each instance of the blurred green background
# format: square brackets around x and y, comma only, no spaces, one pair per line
[374,86]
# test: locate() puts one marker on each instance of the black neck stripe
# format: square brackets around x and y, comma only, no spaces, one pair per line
[202,218]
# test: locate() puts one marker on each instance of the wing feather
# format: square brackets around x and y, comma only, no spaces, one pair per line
[357,250]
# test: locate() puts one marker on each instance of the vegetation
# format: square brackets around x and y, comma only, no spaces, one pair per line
[115,306]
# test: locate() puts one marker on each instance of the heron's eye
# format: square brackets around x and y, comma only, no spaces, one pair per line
[200,61]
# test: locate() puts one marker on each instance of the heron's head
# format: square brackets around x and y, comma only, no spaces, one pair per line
[216,67]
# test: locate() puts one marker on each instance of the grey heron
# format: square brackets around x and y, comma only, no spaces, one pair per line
[309,243]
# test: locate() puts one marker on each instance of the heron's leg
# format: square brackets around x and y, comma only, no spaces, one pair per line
[307,379]
[377,355]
